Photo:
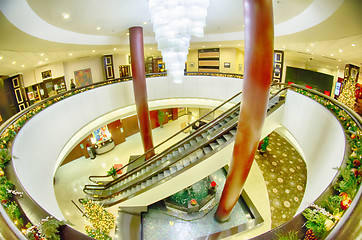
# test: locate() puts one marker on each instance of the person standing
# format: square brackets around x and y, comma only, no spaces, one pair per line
[72,85]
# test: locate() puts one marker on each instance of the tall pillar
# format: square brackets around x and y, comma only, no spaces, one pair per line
[259,41]
[140,88]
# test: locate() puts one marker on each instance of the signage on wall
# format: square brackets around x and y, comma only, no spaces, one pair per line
[278,65]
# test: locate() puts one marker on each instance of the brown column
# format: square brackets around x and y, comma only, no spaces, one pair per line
[259,37]
[140,88]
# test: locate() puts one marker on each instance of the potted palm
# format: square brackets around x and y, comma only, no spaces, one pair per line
[161,118]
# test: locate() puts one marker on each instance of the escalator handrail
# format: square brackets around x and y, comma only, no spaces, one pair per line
[174,135]
[170,149]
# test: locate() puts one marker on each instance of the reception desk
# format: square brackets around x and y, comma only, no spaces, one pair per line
[104,146]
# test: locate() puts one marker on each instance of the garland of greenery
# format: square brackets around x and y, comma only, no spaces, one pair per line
[321,219]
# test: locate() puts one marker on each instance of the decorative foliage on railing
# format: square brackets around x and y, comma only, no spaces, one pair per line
[321,219]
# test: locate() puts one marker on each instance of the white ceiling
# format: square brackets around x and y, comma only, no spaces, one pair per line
[34,32]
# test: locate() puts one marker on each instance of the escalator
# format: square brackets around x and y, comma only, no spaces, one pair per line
[176,160]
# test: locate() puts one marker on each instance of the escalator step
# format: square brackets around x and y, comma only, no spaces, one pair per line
[214,145]
[149,182]
[227,136]
[199,153]
[233,132]
[223,122]
[166,173]
[206,149]
[210,130]
[169,156]
[220,141]
[160,176]
[229,118]
[173,169]
[193,142]
[181,149]
[186,161]
[159,162]
[154,179]
[199,138]
[187,145]
[193,157]
[175,153]
[164,159]
[204,134]
[179,165]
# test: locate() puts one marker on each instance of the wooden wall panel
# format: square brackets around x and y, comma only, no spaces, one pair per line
[130,125]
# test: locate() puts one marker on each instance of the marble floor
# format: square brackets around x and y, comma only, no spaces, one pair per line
[71,178]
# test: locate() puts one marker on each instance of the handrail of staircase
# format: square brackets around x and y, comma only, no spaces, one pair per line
[174,135]
[163,153]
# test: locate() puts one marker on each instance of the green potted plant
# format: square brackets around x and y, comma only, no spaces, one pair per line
[263,144]
[112,172]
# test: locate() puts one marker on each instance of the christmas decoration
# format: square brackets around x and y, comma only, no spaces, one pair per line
[102,221]
[346,201]
[347,96]
[193,202]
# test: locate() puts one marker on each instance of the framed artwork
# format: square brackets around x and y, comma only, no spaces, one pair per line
[16,82]
[19,97]
[22,107]
[109,71]
[226,65]
[83,77]
[108,60]
[46,74]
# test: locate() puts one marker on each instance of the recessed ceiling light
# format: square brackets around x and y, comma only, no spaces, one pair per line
[65,15]
[1,57]
[70,54]
[22,65]
[243,25]
[93,50]
[283,46]
[353,45]
[203,46]
[46,59]
[340,50]
[312,44]
[150,48]
[114,49]
[339,60]
[144,23]
[98,28]
[308,50]
[332,54]
[14,62]
[41,54]
[40,63]
[127,34]
[219,45]
[238,44]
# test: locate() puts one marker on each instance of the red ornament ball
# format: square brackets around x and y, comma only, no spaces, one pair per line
[356,163]
[345,203]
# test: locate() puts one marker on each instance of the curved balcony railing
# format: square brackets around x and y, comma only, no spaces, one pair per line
[346,226]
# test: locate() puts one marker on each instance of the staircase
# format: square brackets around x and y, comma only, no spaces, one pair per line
[176,160]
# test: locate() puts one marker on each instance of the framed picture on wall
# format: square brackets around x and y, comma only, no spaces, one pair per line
[16,82]
[46,74]
[83,77]
[19,97]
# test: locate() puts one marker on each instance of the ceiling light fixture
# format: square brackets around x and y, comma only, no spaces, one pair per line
[98,28]
[65,15]
[114,49]
[13,62]
[219,45]
[22,65]
[353,45]
[40,63]
[1,57]
[340,50]
[308,50]
[144,23]
[332,54]
[127,34]
[312,44]
[41,54]
[339,60]
[70,54]
[93,50]
[203,46]
[174,22]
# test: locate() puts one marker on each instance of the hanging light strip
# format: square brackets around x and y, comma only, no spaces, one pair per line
[174,22]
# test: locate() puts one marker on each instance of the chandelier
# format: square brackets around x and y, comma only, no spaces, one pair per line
[174,22]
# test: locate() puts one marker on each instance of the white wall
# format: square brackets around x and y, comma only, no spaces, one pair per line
[94,63]
[320,136]
[56,69]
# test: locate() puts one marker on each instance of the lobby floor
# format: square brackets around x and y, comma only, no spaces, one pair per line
[71,178]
